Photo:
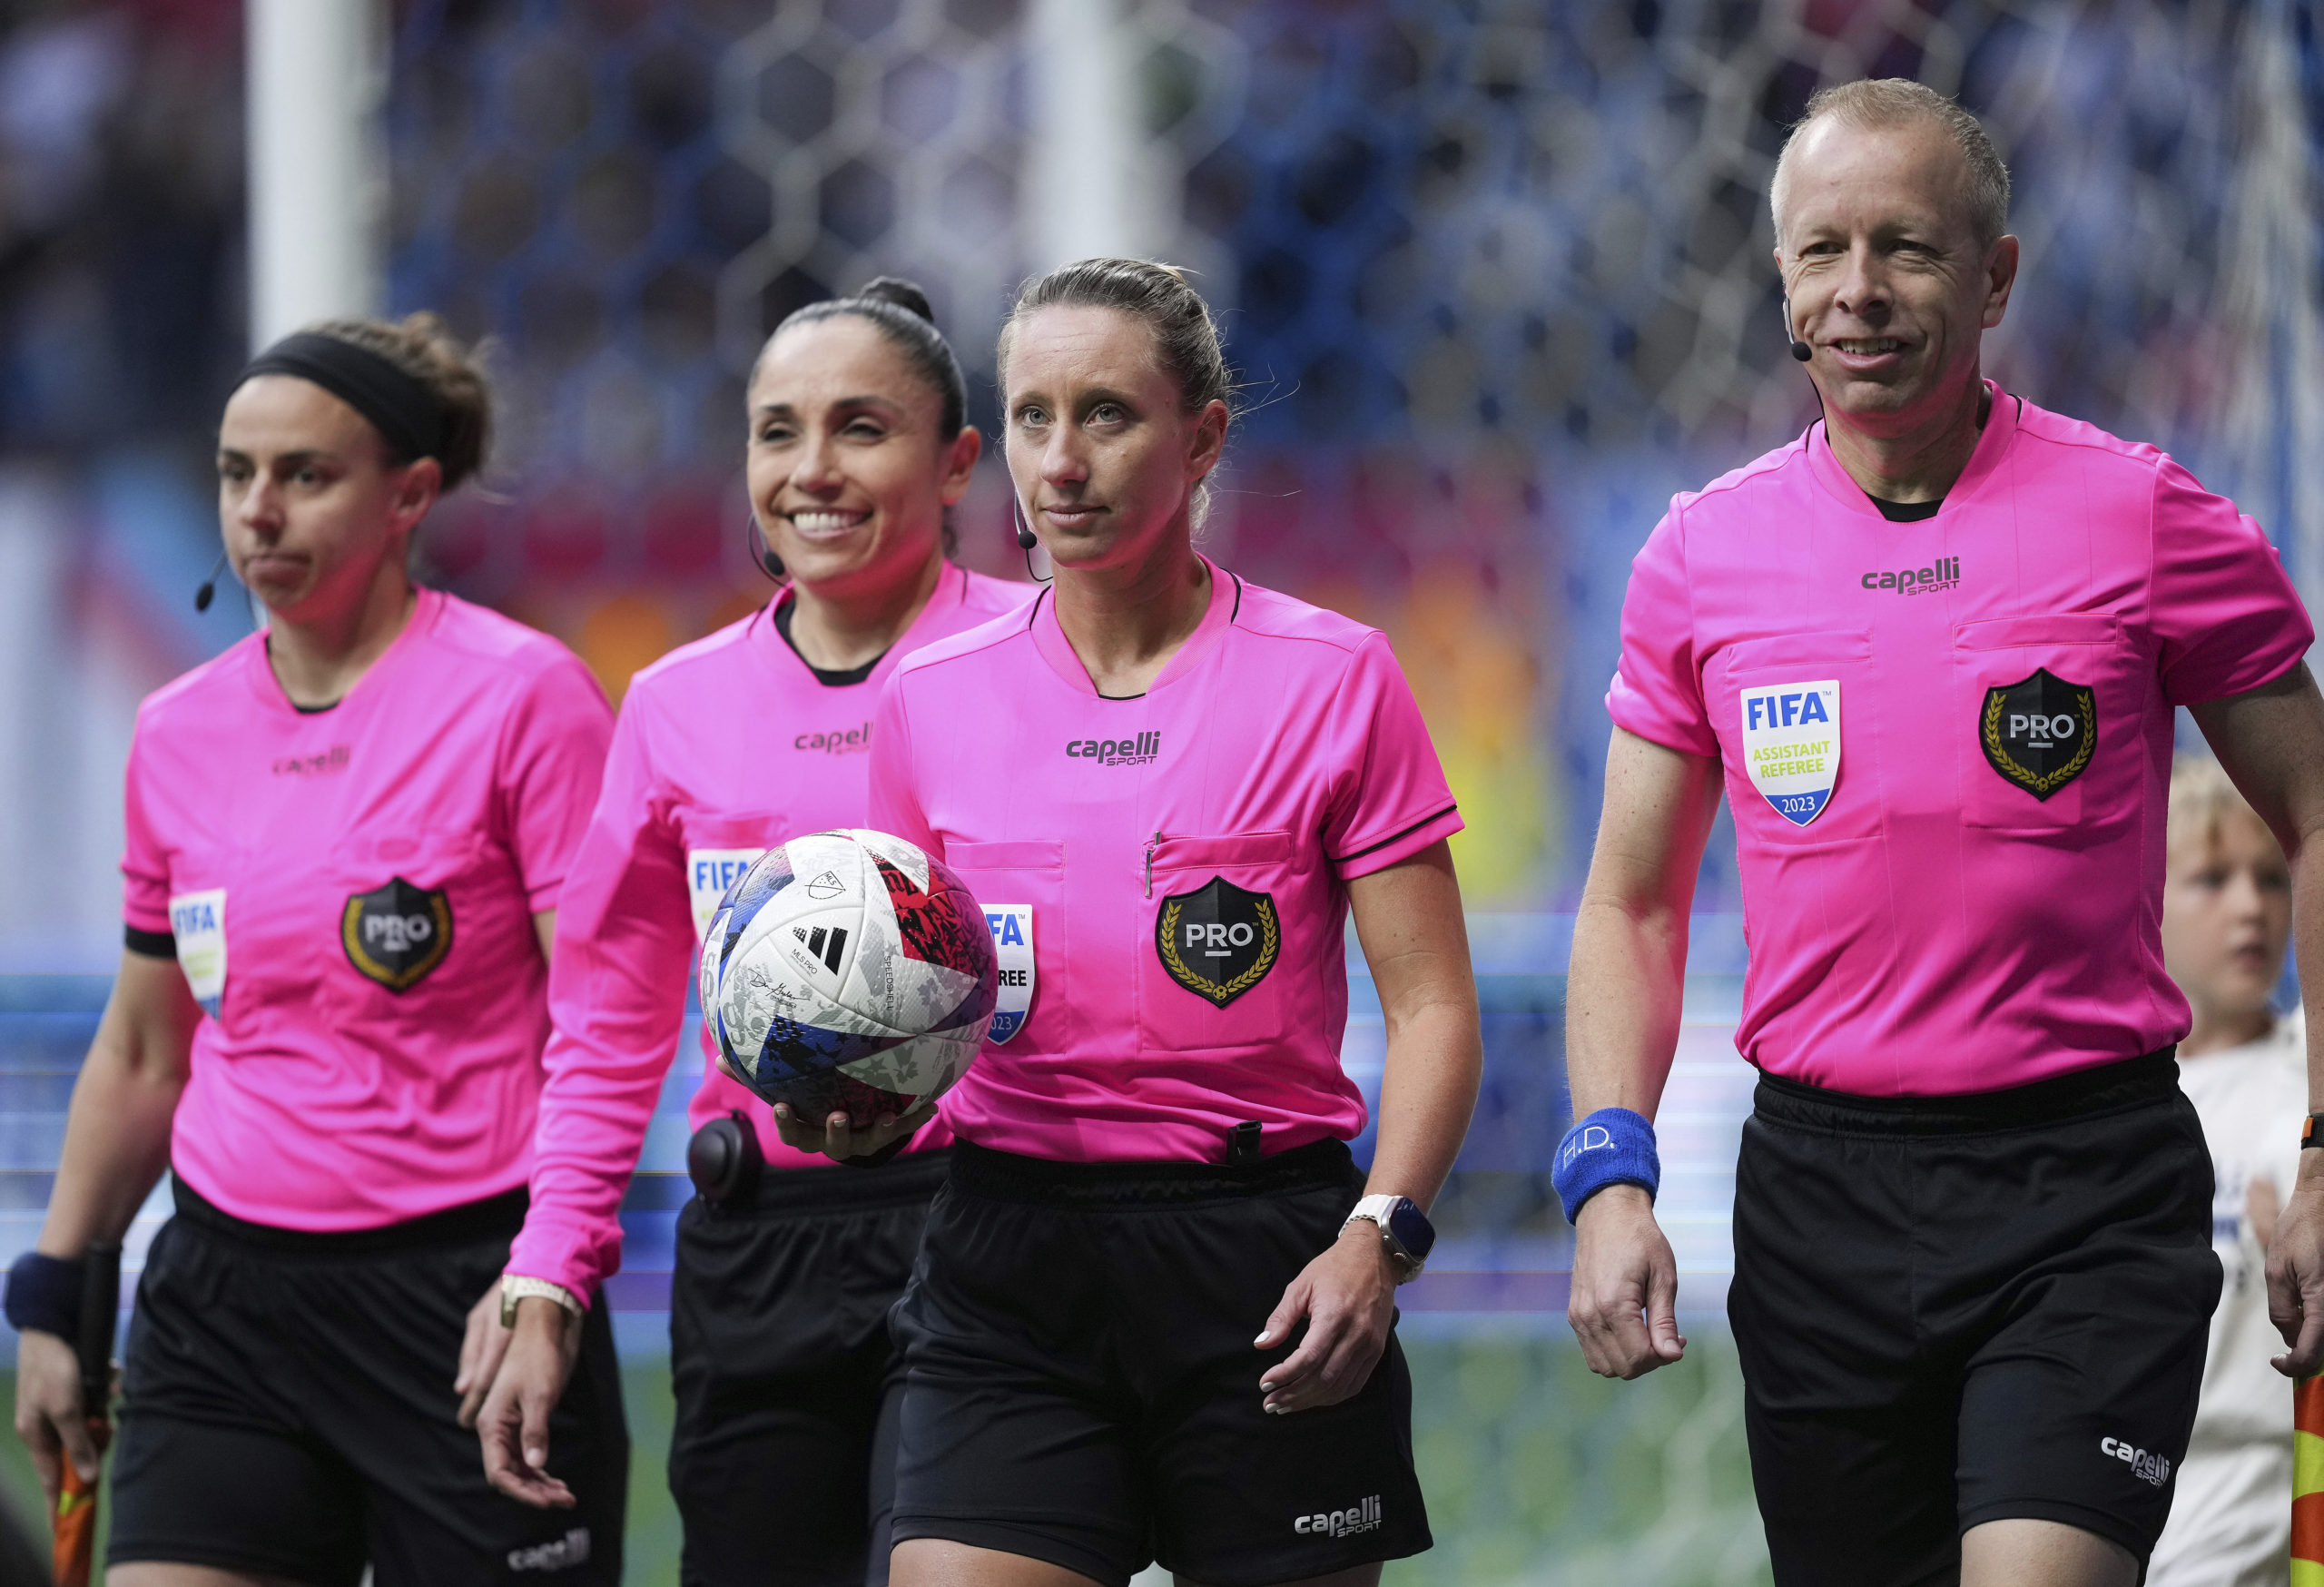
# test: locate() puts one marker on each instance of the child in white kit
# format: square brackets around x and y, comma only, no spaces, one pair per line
[2226,922]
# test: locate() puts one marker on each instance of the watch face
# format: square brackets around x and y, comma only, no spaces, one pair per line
[1412,1230]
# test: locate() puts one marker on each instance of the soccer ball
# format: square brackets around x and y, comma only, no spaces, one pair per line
[847,971]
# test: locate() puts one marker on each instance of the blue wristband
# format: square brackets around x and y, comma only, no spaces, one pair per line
[1611,1146]
[45,1293]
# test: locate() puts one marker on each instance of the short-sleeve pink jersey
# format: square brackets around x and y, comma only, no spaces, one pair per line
[366,878]
[1947,743]
[725,747]
[1181,859]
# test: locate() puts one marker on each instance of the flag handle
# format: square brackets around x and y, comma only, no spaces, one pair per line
[76,1501]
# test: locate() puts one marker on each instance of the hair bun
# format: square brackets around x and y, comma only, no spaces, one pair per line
[905,295]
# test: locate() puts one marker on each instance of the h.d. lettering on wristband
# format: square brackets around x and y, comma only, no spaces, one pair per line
[1611,1146]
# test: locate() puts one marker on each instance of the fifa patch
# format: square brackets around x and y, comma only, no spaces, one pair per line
[709,873]
[1791,745]
[1012,943]
[198,922]
[1217,941]
[396,934]
[2038,732]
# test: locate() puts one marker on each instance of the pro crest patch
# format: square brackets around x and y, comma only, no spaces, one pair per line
[1219,940]
[1791,744]
[2038,732]
[396,934]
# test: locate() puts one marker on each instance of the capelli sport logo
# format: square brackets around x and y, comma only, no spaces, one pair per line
[1362,1516]
[2147,1468]
[334,759]
[566,1551]
[1945,573]
[1142,751]
[853,740]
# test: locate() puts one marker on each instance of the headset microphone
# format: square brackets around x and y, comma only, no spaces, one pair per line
[1026,538]
[763,558]
[1799,350]
[209,590]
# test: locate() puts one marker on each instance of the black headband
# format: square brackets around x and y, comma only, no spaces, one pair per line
[400,408]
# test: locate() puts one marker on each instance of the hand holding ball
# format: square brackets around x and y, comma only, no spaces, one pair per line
[848,973]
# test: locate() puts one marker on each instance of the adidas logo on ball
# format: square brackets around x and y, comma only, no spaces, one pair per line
[829,946]
[848,971]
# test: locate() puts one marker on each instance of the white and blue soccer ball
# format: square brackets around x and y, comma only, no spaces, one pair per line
[847,971]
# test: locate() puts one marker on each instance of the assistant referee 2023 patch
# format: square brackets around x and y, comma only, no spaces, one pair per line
[1791,745]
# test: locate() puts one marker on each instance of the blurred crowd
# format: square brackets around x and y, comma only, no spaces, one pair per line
[1495,276]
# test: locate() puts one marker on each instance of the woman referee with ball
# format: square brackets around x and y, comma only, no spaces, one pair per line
[346,839]
[784,1449]
[1151,1316]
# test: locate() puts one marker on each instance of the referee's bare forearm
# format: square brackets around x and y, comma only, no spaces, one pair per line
[117,1134]
[1416,941]
[1628,969]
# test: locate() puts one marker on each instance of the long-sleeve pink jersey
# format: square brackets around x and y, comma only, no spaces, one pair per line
[351,895]
[725,748]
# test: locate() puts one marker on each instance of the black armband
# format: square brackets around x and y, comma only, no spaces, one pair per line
[45,1293]
[149,944]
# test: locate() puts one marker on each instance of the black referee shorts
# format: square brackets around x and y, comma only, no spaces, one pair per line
[288,1411]
[784,1457]
[1082,1388]
[1960,1309]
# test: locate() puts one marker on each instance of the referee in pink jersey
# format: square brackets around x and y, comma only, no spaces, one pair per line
[783,1448]
[1152,1314]
[346,839]
[1930,654]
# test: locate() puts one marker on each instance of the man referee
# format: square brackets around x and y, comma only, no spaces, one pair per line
[1930,653]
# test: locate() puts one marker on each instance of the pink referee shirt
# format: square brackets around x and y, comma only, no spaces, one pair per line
[1947,743]
[1179,860]
[352,893]
[725,747]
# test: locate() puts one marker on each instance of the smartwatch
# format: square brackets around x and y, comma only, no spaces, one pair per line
[1404,1231]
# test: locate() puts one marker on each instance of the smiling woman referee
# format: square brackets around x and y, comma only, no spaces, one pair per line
[346,840]
[1144,1322]
[785,1269]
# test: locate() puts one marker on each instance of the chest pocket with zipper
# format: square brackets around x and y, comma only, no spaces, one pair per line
[1212,973]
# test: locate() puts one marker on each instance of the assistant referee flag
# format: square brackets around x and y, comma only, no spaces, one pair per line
[2308,1483]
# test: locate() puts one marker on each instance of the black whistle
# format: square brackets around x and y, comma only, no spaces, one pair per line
[1243,1144]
